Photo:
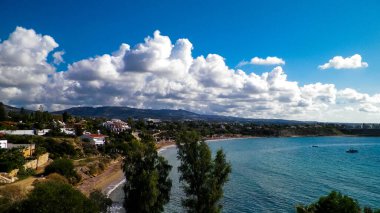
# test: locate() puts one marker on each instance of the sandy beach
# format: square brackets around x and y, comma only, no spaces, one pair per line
[104,181]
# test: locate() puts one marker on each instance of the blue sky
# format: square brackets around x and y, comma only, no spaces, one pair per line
[305,34]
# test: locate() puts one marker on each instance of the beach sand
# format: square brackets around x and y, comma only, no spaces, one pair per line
[112,175]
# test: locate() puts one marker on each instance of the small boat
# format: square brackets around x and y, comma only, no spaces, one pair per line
[315,146]
[351,150]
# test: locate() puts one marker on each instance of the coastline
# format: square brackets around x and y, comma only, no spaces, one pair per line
[105,181]
[160,148]
[109,184]
[121,180]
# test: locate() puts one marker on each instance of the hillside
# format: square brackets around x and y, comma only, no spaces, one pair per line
[162,114]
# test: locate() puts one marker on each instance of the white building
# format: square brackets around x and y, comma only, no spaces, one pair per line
[153,120]
[116,125]
[17,132]
[96,139]
[68,131]
[3,144]
[43,132]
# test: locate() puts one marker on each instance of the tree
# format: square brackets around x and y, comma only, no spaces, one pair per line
[11,159]
[370,210]
[65,116]
[202,177]
[147,187]
[3,113]
[55,196]
[100,200]
[64,167]
[78,130]
[335,202]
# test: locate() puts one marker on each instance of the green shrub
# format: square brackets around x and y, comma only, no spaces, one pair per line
[24,173]
[63,167]
[335,202]
[54,196]
[100,200]
[11,159]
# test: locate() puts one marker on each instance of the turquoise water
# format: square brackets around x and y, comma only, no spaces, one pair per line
[274,174]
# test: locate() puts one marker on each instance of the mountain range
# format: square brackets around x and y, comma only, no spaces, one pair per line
[162,114]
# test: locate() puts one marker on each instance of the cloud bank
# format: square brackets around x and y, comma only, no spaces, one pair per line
[159,73]
[338,62]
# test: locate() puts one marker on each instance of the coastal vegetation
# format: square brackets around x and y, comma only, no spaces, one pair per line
[203,178]
[11,159]
[3,114]
[335,202]
[64,167]
[52,195]
[147,184]
[202,173]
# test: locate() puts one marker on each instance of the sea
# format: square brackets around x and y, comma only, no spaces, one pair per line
[276,174]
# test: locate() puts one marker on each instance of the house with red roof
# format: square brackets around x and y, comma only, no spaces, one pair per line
[96,139]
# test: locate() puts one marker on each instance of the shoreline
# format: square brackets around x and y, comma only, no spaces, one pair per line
[112,187]
[162,147]
[116,182]
[105,181]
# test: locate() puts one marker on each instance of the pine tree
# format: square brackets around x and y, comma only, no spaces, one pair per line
[202,177]
[147,187]
[335,202]
[3,113]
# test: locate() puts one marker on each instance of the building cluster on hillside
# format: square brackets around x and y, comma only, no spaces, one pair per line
[27,149]
[116,125]
[25,132]
[359,126]
[95,139]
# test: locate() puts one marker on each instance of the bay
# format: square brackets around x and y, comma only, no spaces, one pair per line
[275,174]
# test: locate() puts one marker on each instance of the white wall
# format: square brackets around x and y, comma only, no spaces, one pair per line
[3,144]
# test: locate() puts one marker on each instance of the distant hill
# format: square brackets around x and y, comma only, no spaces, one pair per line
[14,109]
[162,114]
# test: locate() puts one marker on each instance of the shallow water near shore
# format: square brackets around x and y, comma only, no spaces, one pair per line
[275,174]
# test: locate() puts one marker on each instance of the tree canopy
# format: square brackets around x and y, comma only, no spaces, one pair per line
[3,113]
[55,196]
[148,186]
[63,167]
[335,202]
[203,178]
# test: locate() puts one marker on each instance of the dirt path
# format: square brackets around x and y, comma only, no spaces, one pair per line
[110,176]
[25,184]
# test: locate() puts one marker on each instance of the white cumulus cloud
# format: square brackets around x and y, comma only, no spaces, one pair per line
[24,68]
[161,73]
[263,61]
[369,108]
[338,62]
[58,57]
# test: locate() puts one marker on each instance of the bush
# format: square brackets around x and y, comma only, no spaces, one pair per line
[89,149]
[57,178]
[11,159]
[63,167]
[100,200]
[57,149]
[335,202]
[24,173]
[54,196]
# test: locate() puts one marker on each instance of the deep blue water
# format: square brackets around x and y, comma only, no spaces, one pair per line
[275,174]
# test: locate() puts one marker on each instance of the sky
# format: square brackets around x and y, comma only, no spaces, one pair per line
[304,60]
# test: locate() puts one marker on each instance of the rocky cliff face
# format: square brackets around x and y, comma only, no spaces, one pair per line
[40,161]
